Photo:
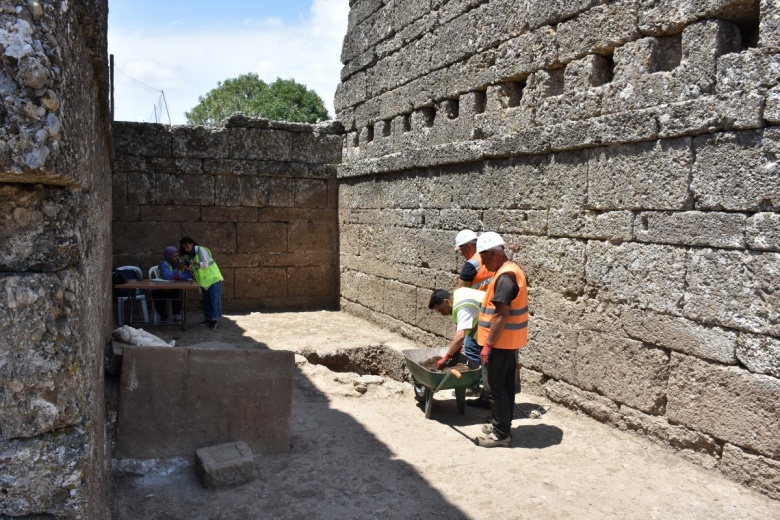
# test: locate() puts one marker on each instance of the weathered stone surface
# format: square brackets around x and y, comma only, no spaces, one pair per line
[688,337]
[753,471]
[225,464]
[252,143]
[734,289]
[763,231]
[769,29]
[737,171]
[595,405]
[669,16]
[624,370]
[728,403]
[199,142]
[749,70]
[692,228]
[610,225]
[759,354]
[144,139]
[651,176]
[205,397]
[647,276]
[551,350]
[598,30]
[673,435]
[47,473]
[39,350]
[41,227]
[555,264]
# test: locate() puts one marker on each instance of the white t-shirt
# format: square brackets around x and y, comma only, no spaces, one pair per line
[467,317]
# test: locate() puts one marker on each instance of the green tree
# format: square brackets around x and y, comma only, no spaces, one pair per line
[282,100]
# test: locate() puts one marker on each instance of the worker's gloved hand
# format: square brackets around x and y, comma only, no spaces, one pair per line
[485,353]
[443,361]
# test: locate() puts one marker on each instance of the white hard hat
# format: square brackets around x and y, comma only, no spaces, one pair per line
[464,237]
[489,240]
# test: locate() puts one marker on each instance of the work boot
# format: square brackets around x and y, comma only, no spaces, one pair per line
[212,325]
[205,323]
[492,440]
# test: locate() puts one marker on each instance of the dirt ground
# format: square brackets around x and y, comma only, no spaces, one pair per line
[374,455]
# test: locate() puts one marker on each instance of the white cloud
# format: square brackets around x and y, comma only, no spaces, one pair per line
[189,64]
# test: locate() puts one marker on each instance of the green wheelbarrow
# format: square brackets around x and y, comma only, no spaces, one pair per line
[427,382]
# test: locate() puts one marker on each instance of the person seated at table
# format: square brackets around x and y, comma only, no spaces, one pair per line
[170,268]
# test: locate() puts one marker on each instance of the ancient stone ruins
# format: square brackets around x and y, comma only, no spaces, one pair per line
[626,149]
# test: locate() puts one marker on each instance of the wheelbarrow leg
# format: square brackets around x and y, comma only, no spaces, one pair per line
[460,399]
[428,402]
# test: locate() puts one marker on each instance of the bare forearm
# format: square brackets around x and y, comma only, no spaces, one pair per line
[497,325]
[457,342]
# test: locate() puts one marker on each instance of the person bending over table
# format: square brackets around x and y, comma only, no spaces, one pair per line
[207,274]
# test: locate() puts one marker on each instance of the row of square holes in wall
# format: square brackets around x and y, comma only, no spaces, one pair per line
[670,58]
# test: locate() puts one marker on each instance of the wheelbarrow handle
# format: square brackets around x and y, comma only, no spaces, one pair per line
[444,380]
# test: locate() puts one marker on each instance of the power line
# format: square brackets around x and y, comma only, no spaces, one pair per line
[162,101]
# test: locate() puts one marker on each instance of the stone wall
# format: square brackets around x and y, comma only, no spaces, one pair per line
[627,151]
[55,182]
[260,195]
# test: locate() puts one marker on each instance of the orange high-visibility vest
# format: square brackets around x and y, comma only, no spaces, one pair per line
[483,277]
[515,333]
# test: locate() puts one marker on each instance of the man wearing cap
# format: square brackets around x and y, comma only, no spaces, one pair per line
[473,274]
[502,330]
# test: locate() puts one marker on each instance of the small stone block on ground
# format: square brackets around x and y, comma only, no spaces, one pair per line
[224,465]
[114,363]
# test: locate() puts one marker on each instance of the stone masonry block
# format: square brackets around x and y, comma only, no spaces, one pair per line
[551,349]
[692,228]
[233,214]
[702,44]
[679,334]
[144,139]
[224,465]
[645,56]
[624,370]
[749,70]
[610,225]
[311,193]
[728,403]
[403,303]
[671,16]
[588,72]
[174,400]
[313,236]
[734,289]
[550,12]
[645,276]
[737,171]
[316,281]
[678,437]
[597,406]
[753,471]
[759,354]
[735,111]
[231,190]
[763,231]
[184,190]
[40,349]
[598,30]
[558,265]
[316,148]
[199,142]
[652,175]
[268,282]
[218,237]
[769,28]
[167,214]
[526,53]
[144,237]
[260,144]
[531,222]
[262,237]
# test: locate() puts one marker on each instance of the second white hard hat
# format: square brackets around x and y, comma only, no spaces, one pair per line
[464,237]
[489,240]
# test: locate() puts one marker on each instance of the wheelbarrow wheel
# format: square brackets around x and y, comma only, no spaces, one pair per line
[419,392]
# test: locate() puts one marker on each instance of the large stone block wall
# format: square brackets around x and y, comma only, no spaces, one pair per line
[55,200]
[627,151]
[261,195]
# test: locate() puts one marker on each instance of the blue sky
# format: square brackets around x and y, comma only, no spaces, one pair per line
[185,47]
